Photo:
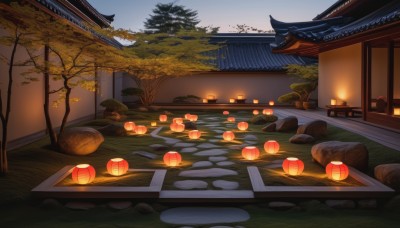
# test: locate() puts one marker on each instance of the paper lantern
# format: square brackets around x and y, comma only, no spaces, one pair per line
[177,127]
[205,100]
[250,153]
[129,126]
[333,101]
[255,101]
[268,112]
[117,166]
[83,174]
[193,118]
[211,97]
[271,103]
[153,124]
[225,113]
[187,116]
[240,97]
[243,126]
[194,134]
[396,111]
[232,100]
[256,112]
[177,120]
[140,129]
[271,147]
[293,166]
[172,158]
[228,135]
[163,118]
[231,119]
[337,171]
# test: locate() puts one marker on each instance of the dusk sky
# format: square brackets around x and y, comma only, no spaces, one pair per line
[130,14]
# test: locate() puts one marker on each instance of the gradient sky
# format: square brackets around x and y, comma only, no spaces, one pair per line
[130,14]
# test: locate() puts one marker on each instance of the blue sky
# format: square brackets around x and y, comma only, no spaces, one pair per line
[130,14]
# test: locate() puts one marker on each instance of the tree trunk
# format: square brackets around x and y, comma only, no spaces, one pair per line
[67,105]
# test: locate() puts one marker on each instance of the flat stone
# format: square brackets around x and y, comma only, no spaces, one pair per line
[159,147]
[184,144]
[278,205]
[225,163]
[217,158]
[230,125]
[207,146]
[341,204]
[251,142]
[189,150]
[237,147]
[170,141]
[145,154]
[226,185]
[211,152]
[273,166]
[214,140]
[219,131]
[119,205]
[212,172]
[190,184]
[250,137]
[218,136]
[144,208]
[203,215]
[80,206]
[202,164]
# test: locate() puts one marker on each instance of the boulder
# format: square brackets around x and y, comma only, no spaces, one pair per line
[301,139]
[287,124]
[389,174]
[316,128]
[80,140]
[112,130]
[190,126]
[353,154]
[269,128]
[144,208]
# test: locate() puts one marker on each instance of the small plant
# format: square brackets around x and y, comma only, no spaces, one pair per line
[187,99]
[131,91]
[263,119]
[113,105]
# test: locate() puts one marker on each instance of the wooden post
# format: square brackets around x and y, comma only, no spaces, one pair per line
[390,78]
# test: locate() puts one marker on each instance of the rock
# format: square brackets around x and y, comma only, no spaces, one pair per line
[225,163]
[212,172]
[189,150]
[251,142]
[159,147]
[262,119]
[204,215]
[144,208]
[250,138]
[119,205]
[190,184]
[226,185]
[217,158]
[316,128]
[367,204]
[287,124]
[80,206]
[145,154]
[269,128]
[237,147]
[80,140]
[51,204]
[207,146]
[214,140]
[202,164]
[389,174]
[301,139]
[341,204]
[352,154]
[190,126]
[112,130]
[278,205]
[180,144]
[211,152]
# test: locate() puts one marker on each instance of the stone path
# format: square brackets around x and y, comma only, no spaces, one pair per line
[167,140]
[211,172]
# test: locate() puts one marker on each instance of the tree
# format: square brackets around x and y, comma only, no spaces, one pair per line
[170,18]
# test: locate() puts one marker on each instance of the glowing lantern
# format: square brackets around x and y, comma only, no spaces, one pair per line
[255,101]
[225,113]
[187,116]
[250,153]
[117,166]
[333,101]
[193,117]
[172,158]
[177,120]
[268,112]
[271,147]
[243,126]
[83,174]
[293,166]
[228,135]
[205,100]
[271,103]
[211,97]
[194,134]
[231,119]
[177,127]
[140,129]
[153,124]
[336,170]
[396,111]
[232,100]
[163,118]
[240,97]
[256,112]
[129,126]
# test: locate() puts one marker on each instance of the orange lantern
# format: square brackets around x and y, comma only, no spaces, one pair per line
[205,100]
[231,119]
[225,113]
[232,100]
[256,112]
[268,112]
[193,117]
[293,166]
[271,103]
[117,166]
[255,101]
[243,126]
[250,152]
[177,127]
[187,116]
[240,97]
[153,124]
[140,129]
[177,120]
[172,158]
[129,126]
[163,118]
[271,147]
[337,171]
[83,174]
[228,135]
[194,134]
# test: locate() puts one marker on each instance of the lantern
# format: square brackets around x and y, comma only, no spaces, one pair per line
[211,97]
[268,112]
[232,100]
[153,124]
[293,166]
[250,153]
[205,100]
[225,113]
[231,119]
[177,120]
[256,112]
[172,158]
[117,166]
[140,129]
[194,134]
[337,171]
[193,117]
[83,174]
[271,103]
[271,147]
[396,111]
[255,101]
[333,101]
[240,97]
[129,126]
[177,127]
[228,135]
[163,118]
[187,116]
[243,126]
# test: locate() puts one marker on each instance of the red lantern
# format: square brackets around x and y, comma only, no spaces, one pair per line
[193,117]
[163,118]
[194,134]
[83,174]
[187,116]
[268,112]
[271,103]
[172,158]
[337,171]
[225,113]
[228,135]
[243,126]
[177,120]
[231,119]
[177,127]
[140,129]
[117,166]
[129,126]
[256,112]
[271,147]
[250,152]
[293,166]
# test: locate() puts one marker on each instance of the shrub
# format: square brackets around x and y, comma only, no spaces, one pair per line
[187,99]
[131,91]
[113,105]
[263,119]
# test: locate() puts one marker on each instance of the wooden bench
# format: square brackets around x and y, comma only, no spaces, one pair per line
[347,110]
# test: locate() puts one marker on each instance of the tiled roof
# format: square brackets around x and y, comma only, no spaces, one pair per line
[252,52]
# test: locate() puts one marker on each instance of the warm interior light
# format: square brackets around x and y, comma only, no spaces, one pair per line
[250,153]
[293,166]
[271,103]
[205,100]
[240,97]
[396,111]
[117,166]
[172,158]
[129,126]
[256,112]
[153,124]
[83,174]
[271,147]
[255,101]
[140,129]
[336,170]
[242,126]
[163,118]
[333,101]
[194,134]
[228,135]
[268,111]
[232,100]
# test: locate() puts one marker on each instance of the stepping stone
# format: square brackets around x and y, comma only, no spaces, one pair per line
[226,185]
[144,208]
[219,131]
[202,164]
[189,150]
[207,145]
[145,154]
[203,215]
[190,184]
[250,137]
[211,152]
[251,142]
[218,136]
[278,161]
[214,140]
[81,206]
[341,204]
[156,146]
[225,163]
[184,144]
[171,141]
[231,125]
[237,147]
[273,166]
[217,158]
[119,205]
[212,172]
